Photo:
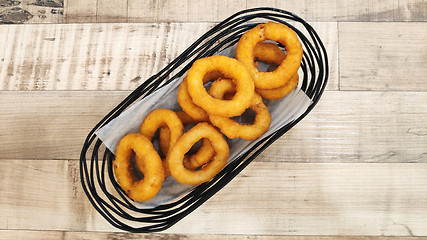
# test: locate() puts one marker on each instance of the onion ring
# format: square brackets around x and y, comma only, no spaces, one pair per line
[160,118]
[279,92]
[233,129]
[205,153]
[165,134]
[183,145]
[196,160]
[271,53]
[276,32]
[148,161]
[212,76]
[187,104]
[231,68]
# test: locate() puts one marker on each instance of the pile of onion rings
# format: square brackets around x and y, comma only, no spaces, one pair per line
[289,65]
[234,86]
[233,129]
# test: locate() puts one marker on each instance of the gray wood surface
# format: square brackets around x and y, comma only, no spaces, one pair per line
[217,10]
[355,168]
[273,198]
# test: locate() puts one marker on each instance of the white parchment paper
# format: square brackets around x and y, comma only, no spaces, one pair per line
[282,112]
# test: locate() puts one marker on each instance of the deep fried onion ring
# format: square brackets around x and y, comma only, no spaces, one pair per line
[271,53]
[279,92]
[160,118]
[148,161]
[165,134]
[187,104]
[196,160]
[205,153]
[231,68]
[183,145]
[276,32]
[233,129]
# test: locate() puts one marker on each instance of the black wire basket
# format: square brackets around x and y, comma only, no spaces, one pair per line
[96,171]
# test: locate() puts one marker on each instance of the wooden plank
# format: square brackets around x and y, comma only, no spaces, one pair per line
[226,8]
[356,11]
[172,11]
[260,3]
[66,235]
[383,56]
[210,11]
[80,11]
[272,198]
[142,11]
[344,126]
[328,33]
[311,10]
[365,10]
[51,125]
[358,127]
[412,10]
[114,11]
[31,11]
[106,56]
[91,57]
[324,10]
[203,11]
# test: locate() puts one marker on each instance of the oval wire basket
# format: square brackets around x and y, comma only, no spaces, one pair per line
[96,171]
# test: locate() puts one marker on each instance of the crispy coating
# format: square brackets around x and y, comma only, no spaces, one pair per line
[148,161]
[187,104]
[289,66]
[212,76]
[161,118]
[205,153]
[231,68]
[277,93]
[186,119]
[233,129]
[183,145]
[271,53]
[193,161]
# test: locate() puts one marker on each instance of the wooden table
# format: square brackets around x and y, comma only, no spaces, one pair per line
[356,166]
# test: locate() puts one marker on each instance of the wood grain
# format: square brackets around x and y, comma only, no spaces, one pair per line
[142,11]
[358,127]
[51,125]
[303,199]
[171,11]
[80,11]
[112,11]
[36,11]
[67,235]
[106,56]
[198,9]
[383,56]
[344,127]
[218,10]
[365,10]
[89,57]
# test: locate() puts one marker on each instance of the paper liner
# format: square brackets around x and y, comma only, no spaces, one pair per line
[282,112]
